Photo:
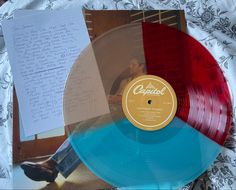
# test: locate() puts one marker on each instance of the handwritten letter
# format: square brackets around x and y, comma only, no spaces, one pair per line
[42,48]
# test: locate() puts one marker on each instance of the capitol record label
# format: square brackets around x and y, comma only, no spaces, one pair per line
[149,102]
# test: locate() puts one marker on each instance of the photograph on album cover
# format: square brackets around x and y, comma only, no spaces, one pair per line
[36,167]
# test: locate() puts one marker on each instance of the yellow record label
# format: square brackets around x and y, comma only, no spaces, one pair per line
[149,102]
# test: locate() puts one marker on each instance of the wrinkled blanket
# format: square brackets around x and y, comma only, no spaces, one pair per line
[211,22]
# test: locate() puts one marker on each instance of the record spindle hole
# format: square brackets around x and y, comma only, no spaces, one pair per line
[149,102]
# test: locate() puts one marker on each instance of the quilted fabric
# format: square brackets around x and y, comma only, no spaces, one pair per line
[211,22]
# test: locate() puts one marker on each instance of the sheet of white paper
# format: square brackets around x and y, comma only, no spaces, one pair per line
[29,12]
[42,49]
[54,132]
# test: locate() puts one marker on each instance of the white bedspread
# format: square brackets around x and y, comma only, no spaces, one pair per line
[212,22]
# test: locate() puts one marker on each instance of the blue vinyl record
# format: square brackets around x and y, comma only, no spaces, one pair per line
[170,158]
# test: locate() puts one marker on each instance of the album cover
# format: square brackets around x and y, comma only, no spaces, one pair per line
[99,24]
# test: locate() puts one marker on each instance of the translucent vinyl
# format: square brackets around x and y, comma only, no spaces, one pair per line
[168,158]
[128,157]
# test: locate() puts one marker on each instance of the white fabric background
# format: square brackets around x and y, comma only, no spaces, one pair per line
[212,22]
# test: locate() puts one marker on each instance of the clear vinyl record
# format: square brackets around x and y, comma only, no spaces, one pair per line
[170,108]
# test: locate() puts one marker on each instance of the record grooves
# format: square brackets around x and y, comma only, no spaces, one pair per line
[125,155]
[202,92]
